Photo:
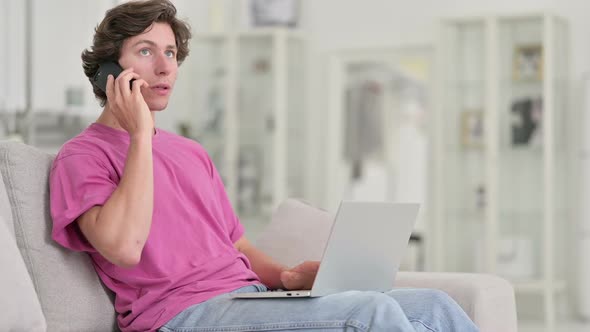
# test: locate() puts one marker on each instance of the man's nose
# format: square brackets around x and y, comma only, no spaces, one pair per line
[163,65]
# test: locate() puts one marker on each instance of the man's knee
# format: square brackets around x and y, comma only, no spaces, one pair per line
[435,296]
[439,312]
[377,301]
[438,301]
[380,312]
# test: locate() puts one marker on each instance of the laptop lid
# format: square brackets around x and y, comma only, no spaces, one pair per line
[366,245]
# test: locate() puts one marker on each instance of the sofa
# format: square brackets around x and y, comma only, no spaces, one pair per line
[47,288]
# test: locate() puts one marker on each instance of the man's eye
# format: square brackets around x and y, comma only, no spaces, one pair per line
[144,51]
[170,54]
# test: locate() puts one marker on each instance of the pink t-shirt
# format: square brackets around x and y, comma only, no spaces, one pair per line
[189,255]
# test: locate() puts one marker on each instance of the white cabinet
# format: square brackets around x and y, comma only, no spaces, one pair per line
[378,137]
[501,152]
[246,90]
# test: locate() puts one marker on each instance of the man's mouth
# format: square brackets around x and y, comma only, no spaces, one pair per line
[161,89]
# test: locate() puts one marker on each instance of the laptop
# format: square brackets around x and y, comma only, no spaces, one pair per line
[366,245]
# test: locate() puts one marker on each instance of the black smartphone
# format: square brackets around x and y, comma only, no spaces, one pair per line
[104,70]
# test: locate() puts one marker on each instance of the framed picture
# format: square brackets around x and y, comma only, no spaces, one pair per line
[274,12]
[526,121]
[528,62]
[472,129]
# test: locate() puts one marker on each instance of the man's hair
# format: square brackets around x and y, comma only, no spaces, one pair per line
[127,20]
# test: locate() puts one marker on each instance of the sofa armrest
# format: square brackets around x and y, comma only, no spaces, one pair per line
[487,299]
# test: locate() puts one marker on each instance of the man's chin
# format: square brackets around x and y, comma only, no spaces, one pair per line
[157,107]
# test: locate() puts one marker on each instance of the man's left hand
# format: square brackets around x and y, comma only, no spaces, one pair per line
[300,276]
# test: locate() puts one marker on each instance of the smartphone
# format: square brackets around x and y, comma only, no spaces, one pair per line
[104,70]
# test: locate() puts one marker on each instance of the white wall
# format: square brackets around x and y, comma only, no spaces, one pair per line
[61,31]
[12,55]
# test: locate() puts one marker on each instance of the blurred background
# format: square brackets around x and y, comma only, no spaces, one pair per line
[475,109]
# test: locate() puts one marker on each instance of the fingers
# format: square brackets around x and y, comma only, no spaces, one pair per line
[120,85]
[301,276]
[110,88]
[122,81]
[137,84]
[289,280]
[307,267]
[296,280]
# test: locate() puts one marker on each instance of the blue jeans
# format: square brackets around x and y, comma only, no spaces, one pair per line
[397,310]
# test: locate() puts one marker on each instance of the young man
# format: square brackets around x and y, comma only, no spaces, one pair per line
[150,209]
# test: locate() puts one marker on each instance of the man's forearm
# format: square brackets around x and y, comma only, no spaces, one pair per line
[267,269]
[127,215]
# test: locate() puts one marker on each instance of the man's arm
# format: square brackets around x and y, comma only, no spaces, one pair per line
[275,275]
[119,229]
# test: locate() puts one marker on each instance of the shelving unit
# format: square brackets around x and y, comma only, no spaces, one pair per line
[248,96]
[378,134]
[501,153]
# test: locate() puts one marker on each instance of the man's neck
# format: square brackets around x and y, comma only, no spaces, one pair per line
[108,119]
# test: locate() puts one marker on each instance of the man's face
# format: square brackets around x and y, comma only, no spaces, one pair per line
[152,55]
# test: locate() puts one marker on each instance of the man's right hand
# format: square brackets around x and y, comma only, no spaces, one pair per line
[128,105]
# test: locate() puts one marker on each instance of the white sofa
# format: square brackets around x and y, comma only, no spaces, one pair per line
[47,288]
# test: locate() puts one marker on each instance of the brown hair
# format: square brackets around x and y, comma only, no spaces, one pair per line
[127,20]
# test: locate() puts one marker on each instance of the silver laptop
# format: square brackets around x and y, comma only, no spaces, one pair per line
[367,242]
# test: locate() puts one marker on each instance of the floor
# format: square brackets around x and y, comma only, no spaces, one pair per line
[561,327]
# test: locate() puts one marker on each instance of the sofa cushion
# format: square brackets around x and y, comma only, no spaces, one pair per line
[296,224]
[21,310]
[71,295]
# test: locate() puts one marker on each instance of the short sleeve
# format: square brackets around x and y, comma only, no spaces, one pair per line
[235,227]
[76,183]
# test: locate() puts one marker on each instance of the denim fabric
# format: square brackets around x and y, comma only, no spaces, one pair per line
[397,310]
